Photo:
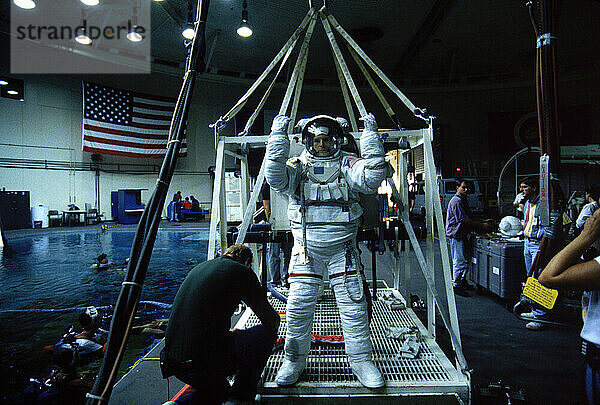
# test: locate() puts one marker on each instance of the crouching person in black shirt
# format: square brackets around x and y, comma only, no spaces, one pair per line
[200,349]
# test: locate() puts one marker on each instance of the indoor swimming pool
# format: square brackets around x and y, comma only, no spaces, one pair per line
[47,281]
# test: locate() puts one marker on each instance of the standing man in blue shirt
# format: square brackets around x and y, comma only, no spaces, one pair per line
[459,225]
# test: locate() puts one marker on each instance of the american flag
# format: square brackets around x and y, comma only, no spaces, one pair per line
[124,123]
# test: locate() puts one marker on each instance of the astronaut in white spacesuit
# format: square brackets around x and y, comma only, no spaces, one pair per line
[323,185]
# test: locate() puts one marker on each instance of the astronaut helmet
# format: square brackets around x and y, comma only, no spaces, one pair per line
[322,136]
[510,226]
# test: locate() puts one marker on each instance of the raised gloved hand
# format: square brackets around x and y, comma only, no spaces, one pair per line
[343,123]
[370,123]
[280,123]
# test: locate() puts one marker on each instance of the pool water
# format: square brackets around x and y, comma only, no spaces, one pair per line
[47,280]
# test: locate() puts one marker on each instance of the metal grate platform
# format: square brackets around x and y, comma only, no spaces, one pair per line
[328,372]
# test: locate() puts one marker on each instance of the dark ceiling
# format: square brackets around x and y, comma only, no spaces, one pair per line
[439,41]
[418,42]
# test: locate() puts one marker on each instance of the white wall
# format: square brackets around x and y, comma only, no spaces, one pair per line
[47,126]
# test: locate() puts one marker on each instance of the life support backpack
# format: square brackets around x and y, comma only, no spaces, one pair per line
[65,353]
[71,352]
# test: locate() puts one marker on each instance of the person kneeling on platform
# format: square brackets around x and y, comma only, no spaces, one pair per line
[200,348]
[323,186]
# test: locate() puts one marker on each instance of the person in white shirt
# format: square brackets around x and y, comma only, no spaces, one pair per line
[519,204]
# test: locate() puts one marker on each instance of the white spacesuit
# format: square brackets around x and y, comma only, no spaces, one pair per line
[323,185]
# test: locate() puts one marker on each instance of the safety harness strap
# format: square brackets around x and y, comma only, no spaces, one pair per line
[344,88]
[372,65]
[388,109]
[298,73]
[340,58]
[242,101]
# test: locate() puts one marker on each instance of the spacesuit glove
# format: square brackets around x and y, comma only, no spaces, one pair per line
[343,123]
[280,124]
[370,123]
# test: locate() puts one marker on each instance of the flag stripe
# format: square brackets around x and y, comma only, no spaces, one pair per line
[129,154]
[164,115]
[147,134]
[150,106]
[161,145]
[150,126]
[159,119]
[100,136]
[159,100]
[126,123]
[124,148]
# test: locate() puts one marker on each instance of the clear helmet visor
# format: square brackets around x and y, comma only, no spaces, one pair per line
[321,138]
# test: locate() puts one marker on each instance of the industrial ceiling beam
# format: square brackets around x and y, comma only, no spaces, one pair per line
[430,24]
[173,12]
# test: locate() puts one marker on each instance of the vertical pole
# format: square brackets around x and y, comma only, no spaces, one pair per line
[547,100]
[547,91]
[447,276]
[223,212]
[430,184]
[374,264]
[405,206]
[2,237]
[216,197]
[244,183]
[97,181]
[263,278]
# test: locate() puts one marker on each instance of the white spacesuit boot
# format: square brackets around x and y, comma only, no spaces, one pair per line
[367,373]
[299,316]
[352,305]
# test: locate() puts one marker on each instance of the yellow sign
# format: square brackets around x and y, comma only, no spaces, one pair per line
[536,292]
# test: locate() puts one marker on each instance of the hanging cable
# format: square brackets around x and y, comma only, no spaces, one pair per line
[145,236]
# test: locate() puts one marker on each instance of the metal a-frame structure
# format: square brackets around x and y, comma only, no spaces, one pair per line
[228,145]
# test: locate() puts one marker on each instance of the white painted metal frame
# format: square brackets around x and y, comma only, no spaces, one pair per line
[415,138]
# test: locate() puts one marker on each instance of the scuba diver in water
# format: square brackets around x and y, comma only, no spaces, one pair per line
[102,262]
[66,384]
[92,339]
[323,185]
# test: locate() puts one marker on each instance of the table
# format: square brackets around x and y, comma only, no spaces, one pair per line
[71,215]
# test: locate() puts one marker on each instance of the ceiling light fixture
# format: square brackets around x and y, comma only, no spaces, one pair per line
[12,88]
[188,31]
[26,4]
[133,35]
[82,37]
[90,2]
[244,29]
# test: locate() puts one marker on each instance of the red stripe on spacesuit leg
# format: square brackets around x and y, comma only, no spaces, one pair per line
[305,275]
[342,273]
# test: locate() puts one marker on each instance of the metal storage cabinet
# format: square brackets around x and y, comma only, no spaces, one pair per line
[498,266]
[473,275]
[481,253]
[506,268]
